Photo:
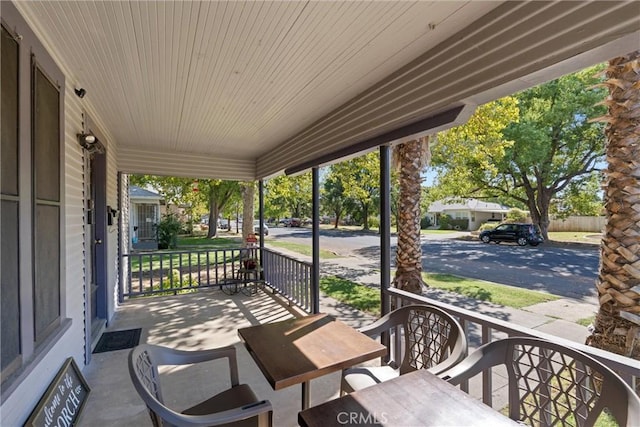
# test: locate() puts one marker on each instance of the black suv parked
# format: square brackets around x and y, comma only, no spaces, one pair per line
[513,232]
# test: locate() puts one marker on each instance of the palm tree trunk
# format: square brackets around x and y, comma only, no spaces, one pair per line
[411,158]
[617,324]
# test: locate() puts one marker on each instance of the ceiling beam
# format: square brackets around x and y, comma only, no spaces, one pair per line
[446,119]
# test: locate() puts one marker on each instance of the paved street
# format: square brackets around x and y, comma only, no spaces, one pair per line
[563,271]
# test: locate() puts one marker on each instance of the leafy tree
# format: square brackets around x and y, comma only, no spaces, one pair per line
[213,194]
[581,197]
[463,155]
[529,147]
[288,195]
[360,178]
[274,197]
[218,193]
[334,197]
[174,190]
[232,209]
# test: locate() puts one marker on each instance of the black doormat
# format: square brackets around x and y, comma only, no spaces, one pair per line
[118,340]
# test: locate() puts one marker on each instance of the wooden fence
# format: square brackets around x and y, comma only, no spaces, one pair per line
[593,224]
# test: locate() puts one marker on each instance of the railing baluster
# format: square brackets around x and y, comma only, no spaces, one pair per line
[161,273]
[216,263]
[487,377]
[208,268]
[289,277]
[140,273]
[464,385]
[180,285]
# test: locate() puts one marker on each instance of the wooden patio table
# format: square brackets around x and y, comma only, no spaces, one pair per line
[295,351]
[418,398]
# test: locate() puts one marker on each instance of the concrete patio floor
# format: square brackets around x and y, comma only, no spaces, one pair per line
[202,320]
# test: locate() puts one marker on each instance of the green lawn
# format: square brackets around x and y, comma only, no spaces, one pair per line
[575,236]
[368,299]
[150,261]
[586,321]
[302,249]
[508,296]
[358,296]
[202,242]
[430,231]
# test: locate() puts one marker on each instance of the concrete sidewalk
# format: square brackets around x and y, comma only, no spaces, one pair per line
[557,317]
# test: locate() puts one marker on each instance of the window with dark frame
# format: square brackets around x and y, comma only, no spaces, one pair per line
[45,150]
[10,347]
[30,181]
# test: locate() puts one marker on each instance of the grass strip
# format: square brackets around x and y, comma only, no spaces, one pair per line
[367,299]
[302,249]
[509,296]
[354,294]
[576,236]
[204,242]
[586,321]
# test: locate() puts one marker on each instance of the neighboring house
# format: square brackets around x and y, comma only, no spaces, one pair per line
[474,210]
[144,211]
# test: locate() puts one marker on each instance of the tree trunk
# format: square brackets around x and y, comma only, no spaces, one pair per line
[617,324]
[365,215]
[410,159]
[538,204]
[248,194]
[213,218]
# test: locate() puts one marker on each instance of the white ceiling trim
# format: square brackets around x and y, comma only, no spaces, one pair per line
[186,165]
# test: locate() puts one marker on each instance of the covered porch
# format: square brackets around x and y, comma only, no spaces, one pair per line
[209,318]
[203,320]
[235,91]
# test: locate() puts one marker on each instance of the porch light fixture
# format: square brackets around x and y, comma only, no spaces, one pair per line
[90,143]
[80,92]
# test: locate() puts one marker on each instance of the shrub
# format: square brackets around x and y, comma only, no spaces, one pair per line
[445,222]
[460,224]
[374,222]
[517,215]
[425,222]
[448,223]
[167,232]
[488,226]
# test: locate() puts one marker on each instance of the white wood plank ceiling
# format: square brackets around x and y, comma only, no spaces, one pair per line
[245,89]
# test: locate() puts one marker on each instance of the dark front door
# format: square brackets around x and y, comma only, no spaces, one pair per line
[95,241]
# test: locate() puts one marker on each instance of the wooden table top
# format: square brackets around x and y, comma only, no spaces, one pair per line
[418,398]
[297,350]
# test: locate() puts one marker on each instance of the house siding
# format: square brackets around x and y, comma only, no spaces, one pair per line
[38,372]
[74,225]
[112,230]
